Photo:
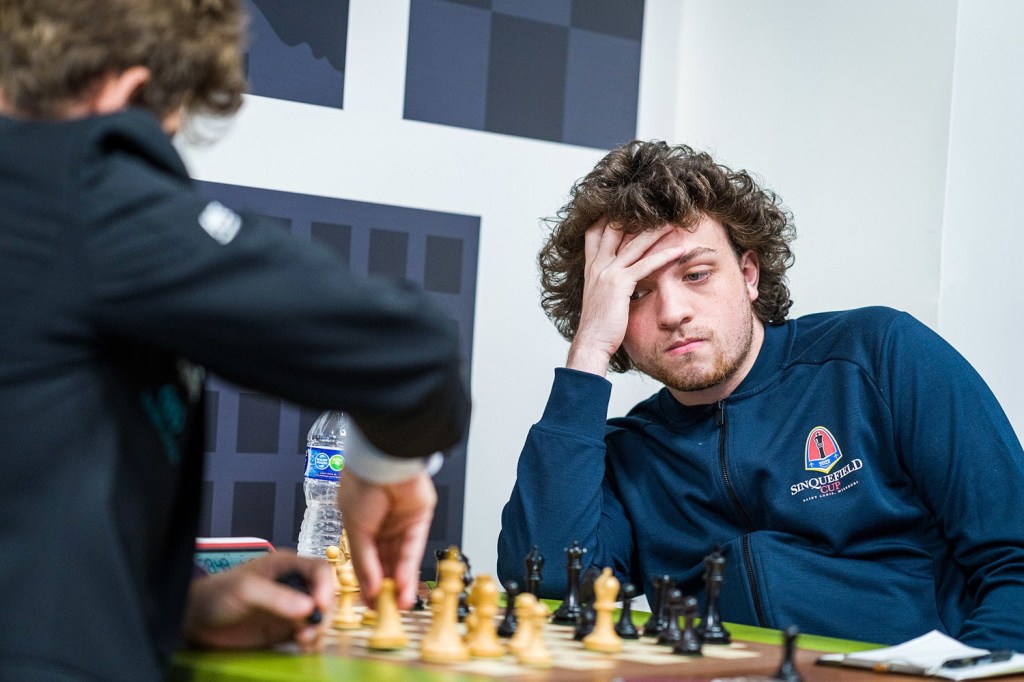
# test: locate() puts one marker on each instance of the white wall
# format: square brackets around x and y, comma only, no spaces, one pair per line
[843,107]
[983,233]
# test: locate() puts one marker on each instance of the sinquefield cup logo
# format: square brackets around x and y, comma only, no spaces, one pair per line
[821,452]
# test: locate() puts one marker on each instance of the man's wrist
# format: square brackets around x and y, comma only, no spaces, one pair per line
[587,359]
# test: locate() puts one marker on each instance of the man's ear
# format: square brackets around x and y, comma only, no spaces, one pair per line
[116,90]
[750,267]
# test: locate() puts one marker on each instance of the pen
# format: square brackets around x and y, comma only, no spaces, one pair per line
[991,657]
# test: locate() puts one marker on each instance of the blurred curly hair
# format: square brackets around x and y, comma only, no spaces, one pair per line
[643,185]
[54,53]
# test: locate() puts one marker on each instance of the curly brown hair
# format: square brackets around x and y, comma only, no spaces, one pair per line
[643,185]
[54,53]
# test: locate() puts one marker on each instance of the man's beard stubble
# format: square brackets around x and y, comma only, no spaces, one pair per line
[724,366]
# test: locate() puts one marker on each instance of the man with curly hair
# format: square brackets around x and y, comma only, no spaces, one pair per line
[856,472]
[119,283]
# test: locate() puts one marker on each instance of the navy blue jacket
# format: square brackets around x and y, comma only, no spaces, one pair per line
[862,481]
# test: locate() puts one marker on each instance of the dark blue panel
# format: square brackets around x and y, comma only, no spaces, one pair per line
[557,12]
[423,233]
[277,221]
[446,64]
[439,527]
[252,510]
[482,4]
[306,418]
[526,78]
[206,504]
[337,237]
[297,50]
[601,94]
[443,267]
[624,18]
[298,511]
[259,420]
[211,402]
[389,253]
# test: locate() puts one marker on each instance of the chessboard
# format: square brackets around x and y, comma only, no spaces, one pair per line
[640,659]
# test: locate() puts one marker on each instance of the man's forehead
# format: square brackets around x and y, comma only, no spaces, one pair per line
[705,232]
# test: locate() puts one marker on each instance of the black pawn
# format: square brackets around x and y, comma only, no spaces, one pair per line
[588,614]
[657,622]
[671,635]
[787,671]
[419,604]
[568,612]
[467,580]
[689,643]
[509,624]
[711,629]
[297,582]
[625,628]
[534,564]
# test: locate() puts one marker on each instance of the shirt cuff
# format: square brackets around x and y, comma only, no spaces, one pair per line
[371,464]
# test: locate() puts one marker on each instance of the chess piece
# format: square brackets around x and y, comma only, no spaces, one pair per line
[509,624]
[588,615]
[369,619]
[445,645]
[297,582]
[787,671]
[536,653]
[483,638]
[625,628]
[534,564]
[524,616]
[467,580]
[689,643]
[568,612]
[671,634]
[333,554]
[388,635]
[345,616]
[711,630]
[657,622]
[603,637]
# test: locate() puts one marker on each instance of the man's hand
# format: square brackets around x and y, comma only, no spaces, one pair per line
[614,265]
[247,608]
[387,526]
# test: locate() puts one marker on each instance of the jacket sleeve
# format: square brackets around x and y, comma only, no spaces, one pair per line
[968,466]
[260,307]
[562,492]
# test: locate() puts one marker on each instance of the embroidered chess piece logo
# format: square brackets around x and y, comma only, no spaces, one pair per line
[821,452]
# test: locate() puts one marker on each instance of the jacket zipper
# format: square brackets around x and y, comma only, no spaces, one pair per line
[748,559]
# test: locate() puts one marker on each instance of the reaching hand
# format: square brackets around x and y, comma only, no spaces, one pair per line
[387,526]
[247,608]
[614,266]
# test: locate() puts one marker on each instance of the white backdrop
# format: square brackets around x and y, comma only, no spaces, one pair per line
[887,126]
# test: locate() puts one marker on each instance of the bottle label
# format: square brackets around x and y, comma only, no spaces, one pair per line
[324,464]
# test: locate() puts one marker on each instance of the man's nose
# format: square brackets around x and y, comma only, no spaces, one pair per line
[675,306]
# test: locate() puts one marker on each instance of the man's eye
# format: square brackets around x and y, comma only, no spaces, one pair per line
[638,294]
[697,276]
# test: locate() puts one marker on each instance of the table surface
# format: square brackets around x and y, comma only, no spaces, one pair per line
[346,659]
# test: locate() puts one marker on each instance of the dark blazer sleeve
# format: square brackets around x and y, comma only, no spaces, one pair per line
[262,308]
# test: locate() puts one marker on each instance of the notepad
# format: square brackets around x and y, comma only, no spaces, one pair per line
[926,656]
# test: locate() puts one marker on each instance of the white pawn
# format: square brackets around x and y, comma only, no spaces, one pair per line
[482,639]
[604,638]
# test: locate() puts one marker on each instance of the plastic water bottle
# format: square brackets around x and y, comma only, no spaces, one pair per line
[325,458]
